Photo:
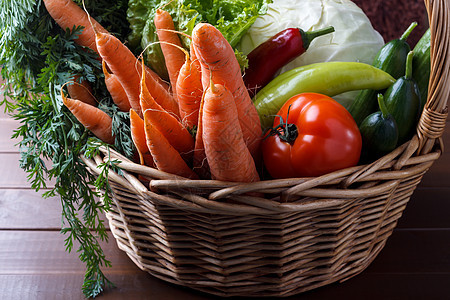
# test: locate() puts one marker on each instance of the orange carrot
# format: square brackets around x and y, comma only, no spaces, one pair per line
[219,63]
[165,156]
[81,90]
[193,56]
[152,74]
[175,132]
[228,157]
[190,91]
[138,135]
[122,63]
[173,57]
[168,124]
[127,68]
[115,88]
[200,163]
[146,100]
[68,14]
[94,119]
[168,104]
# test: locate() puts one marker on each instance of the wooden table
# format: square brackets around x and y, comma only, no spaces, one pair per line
[415,264]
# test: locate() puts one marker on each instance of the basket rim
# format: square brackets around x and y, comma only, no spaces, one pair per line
[321,193]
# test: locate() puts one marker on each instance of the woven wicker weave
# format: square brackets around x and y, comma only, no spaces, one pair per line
[305,232]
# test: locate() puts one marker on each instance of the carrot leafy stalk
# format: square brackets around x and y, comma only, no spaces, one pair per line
[228,157]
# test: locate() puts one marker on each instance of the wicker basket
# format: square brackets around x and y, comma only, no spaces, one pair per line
[305,232]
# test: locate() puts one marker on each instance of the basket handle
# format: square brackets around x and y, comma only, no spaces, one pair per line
[433,119]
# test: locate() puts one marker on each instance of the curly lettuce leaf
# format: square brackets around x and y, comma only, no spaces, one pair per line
[231,17]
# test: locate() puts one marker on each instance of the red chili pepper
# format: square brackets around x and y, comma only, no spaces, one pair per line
[265,60]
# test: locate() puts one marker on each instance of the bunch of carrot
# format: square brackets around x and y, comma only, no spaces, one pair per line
[201,125]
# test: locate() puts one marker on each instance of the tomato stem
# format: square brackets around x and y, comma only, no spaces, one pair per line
[287,132]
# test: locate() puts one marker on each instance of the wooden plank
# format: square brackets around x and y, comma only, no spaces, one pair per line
[7,144]
[43,252]
[11,175]
[41,287]
[146,287]
[36,252]
[3,114]
[68,286]
[427,208]
[415,251]
[369,286]
[27,209]
[33,265]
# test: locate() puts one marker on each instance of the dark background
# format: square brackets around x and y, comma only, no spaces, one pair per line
[391,17]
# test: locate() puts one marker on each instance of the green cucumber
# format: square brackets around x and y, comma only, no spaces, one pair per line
[422,66]
[390,58]
[379,132]
[403,102]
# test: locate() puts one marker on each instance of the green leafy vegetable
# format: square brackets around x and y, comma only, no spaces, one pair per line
[37,57]
[232,17]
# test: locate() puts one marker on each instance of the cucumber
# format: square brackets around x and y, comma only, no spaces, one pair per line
[403,102]
[379,132]
[422,66]
[391,58]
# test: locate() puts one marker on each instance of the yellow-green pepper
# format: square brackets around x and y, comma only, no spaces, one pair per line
[329,78]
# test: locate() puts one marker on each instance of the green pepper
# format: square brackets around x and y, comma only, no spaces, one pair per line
[329,78]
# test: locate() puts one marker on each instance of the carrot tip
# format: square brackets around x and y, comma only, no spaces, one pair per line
[63,96]
[105,69]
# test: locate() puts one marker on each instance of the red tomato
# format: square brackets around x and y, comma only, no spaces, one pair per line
[327,138]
